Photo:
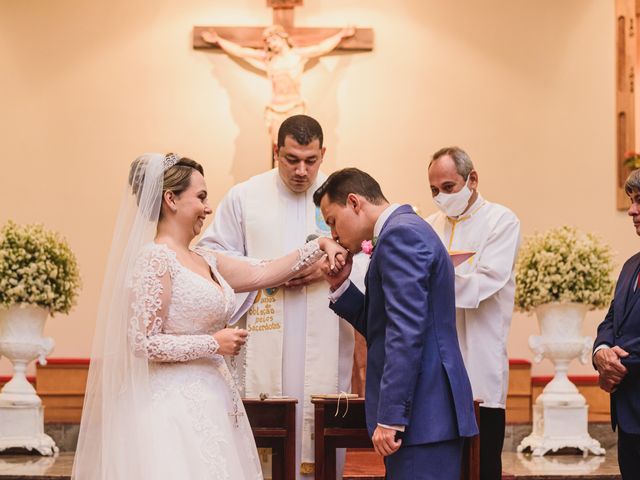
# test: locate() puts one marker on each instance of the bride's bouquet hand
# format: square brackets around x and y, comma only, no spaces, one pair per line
[230,340]
[336,253]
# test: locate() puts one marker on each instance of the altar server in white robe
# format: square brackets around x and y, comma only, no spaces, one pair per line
[485,288]
[297,346]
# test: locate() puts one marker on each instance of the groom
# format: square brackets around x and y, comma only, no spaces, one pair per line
[418,397]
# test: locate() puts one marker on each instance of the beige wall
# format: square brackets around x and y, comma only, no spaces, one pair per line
[526,86]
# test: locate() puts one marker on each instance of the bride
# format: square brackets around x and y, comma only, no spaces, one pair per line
[160,401]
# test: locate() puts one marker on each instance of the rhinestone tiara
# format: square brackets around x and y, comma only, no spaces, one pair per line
[170,159]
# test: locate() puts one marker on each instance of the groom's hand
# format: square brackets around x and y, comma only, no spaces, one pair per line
[384,441]
[335,279]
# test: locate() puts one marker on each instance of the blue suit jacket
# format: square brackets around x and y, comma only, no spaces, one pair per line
[415,373]
[621,327]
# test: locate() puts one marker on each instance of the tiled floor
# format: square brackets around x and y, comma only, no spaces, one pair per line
[23,467]
[368,466]
[361,465]
[557,466]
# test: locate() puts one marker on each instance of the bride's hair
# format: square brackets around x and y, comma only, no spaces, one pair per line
[177,177]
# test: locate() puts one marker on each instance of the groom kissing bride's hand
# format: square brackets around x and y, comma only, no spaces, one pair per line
[333,262]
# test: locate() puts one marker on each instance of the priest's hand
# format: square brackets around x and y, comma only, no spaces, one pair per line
[610,368]
[230,340]
[308,276]
[384,441]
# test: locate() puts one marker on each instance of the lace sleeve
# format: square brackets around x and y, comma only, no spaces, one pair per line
[180,348]
[308,254]
[151,295]
[248,275]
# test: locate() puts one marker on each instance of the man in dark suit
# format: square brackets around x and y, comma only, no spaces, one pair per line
[418,397]
[617,350]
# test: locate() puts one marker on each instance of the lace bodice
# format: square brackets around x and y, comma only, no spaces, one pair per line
[198,305]
[175,311]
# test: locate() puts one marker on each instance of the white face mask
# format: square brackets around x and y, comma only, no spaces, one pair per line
[453,204]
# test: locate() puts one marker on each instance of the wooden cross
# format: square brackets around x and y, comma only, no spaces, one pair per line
[627,43]
[283,14]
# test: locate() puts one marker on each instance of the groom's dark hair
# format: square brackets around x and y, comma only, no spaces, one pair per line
[302,128]
[349,180]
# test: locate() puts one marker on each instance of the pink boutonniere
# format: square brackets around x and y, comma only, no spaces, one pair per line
[367,247]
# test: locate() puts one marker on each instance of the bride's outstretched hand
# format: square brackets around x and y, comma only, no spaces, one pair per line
[336,253]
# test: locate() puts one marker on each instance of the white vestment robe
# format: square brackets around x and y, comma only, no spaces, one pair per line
[313,351]
[485,291]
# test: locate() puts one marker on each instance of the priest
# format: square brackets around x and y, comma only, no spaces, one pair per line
[298,346]
[485,288]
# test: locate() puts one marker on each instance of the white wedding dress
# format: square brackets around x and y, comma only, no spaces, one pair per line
[160,403]
[200,429]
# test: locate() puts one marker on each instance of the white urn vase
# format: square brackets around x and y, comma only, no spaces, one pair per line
[21,411]
[560,413]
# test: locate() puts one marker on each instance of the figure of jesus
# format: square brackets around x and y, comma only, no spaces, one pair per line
[283,64]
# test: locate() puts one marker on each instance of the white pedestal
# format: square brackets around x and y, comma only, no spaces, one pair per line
[23,427]
[560,426]
[560,417]
[21,412]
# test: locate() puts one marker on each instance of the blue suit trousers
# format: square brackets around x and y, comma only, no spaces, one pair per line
[429,461]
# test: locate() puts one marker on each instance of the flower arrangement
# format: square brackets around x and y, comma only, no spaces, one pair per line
[37,267]
[563,265]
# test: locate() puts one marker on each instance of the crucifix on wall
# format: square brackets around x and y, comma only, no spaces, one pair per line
[282,51]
